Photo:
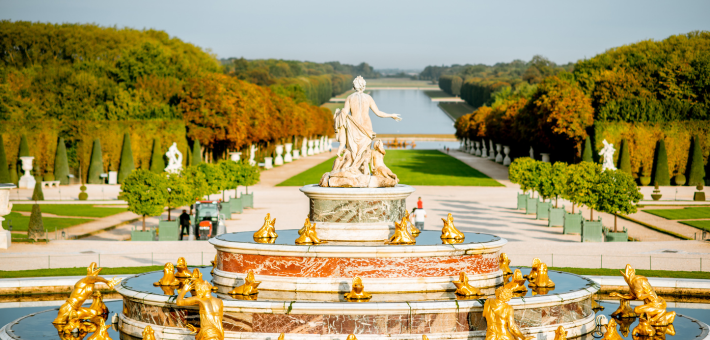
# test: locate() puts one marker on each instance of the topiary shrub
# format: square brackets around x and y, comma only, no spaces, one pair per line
[196,153]
[35,230]
[157,164]
[625,157]
[24,147]
[695,169]
[83,196]
[61,163]
[4,170]
[126,165]
[587,151]
[679,179]
[14,178]
[96,166]
[38,194]
[660,165]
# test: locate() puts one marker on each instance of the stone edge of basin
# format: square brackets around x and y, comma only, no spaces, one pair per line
[314,191]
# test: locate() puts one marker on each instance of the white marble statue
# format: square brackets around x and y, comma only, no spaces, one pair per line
[353,131]
[607,154]
[252,154]
[174,159]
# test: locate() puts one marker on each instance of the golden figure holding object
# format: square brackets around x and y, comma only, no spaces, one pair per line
[83,289]
[211,309]
[424,337]
[249,287]
[267,230]
[449,231]
[463,288]
[182,271]
[308,234]
[101,331]
[499,318]
[517,282]
[639,289]
[401,233]
[504,263]
[357,292]
[412,228]
[560,333]
[148,333]
[611,332]
[538,275]
[168,278]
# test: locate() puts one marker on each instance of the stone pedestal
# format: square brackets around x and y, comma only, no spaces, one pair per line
[310,148]
[506,159]
[113,177]
[5,208]
[545,157]
[27,181]
[268,163]
[279,160]
[484,150]
[304,148]
[287,157]
[477,148]
[235,156]
[296,154]
[330,144]
[499,154]
[316,146]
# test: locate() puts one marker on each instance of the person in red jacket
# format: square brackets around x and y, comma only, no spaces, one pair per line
[420,204]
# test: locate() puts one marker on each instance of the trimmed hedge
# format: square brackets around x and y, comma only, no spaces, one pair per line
[61,163]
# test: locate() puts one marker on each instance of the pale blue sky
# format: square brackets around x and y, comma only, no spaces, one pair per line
[387,34]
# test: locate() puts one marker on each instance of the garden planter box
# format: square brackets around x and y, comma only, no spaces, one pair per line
[619,236]
[168,230]
[248,200]
[592,231]
[543,210]
[522,201]
[148,235]
[226,210]
[531,206]
[572,223]
[236,204]
[556,217]
[699,196]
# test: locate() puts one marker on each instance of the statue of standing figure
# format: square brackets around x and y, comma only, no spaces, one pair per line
[353,130]
[607,154]
[174,159]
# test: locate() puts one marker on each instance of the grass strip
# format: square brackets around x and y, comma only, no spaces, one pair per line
[21,223]
[81,210]
[689,213]
[660,230]
[76,271]
[702,225]
[647,273]
[455,110]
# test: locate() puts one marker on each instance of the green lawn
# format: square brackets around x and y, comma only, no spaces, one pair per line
[456,110]
[20,223]
[81,210]
[681,214]
[413,167]
[333,106]
[704,225]
[648,273]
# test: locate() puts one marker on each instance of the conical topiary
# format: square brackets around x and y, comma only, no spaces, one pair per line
[696,170]
[24,147]
[660,165]
[4,170]
[587,151]
[35,230]
[196,153]
[126,165]
[157,164]
[96,165]
[61,163]
[14,178]
[625,157]
[188,156]
[38,194]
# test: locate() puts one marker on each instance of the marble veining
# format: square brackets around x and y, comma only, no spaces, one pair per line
[356,211]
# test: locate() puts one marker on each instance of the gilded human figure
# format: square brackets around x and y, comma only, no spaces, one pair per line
[211,309]
[83,289]
[499,318]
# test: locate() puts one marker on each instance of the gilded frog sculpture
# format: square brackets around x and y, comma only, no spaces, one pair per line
[357,292]
[560,333]
[148,333]
[182,271]
[412,228]
[611,332]
[101,332]
[517,282]
[168,278]
[308,234]
[463,288]
[504,263]
[267,230]
[449,231]
[249,287]
[538,275]
[500,323]
[401,233]
[653,305]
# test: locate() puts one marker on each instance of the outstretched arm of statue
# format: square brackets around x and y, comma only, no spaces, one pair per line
[381,114]
[181,300]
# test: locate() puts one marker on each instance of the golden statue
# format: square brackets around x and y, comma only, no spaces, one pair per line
[249,287]
[211,309]
[308,234]
[624,325]
[499,318]
[517,282]
[463,288]
[450,241]
[357,292]
[148,333]
[639,289]
[267,230]
[182,271]
[214,264]
[624,311]
[168,278]
[101,331]
[449,230]
[351,337]
[65,330]
[412,228]
[611,332]
[401,234]
[560,333]
[97,304]
[538,275]
[282,336]
[644,328]
[424,337]
[168,290]
[504,263]
[83,289]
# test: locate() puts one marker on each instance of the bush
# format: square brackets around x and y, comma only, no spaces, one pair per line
[4,170]
[157,163]
[558,176]
[83,196]
[695,169]
[587,153]
[61,163]
[196,153]
[616,193]
[126,165]
[625,157]
[38,194]
[35,229]
[661,176]
[581,180]
[96,167]
[545,187]
[520,171]
[145,192]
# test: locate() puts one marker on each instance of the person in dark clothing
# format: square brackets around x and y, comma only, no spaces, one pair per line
[184,223]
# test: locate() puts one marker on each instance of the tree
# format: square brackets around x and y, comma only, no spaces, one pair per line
[581,179]
[661,174]
[196,181]
[4,170]
[251,175]
[545,187]
[157,163]
[96,165]
[625,157]
[696,171]
[37,193]
[24,147]
[519,172]
[559,175]
[61,163]
[214,177]
[145,192]
[196,153]
[616,193]
[35,229]
[232,175]
[178,191]
[126,165]
[587,153]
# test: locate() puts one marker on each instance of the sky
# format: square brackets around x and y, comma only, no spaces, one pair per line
[387,34]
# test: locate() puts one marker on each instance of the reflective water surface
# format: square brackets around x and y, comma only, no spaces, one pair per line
[419,114]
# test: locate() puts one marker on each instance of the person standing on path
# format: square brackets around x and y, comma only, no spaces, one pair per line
[184,223]
[420,204]
[419,218]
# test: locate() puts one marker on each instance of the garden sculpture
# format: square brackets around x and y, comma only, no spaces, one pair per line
[401,233]
[607,154]
[463,288]
[357,292]
[148,333]
[308,234]
[449,231]
[174,159]
[639,289]
[538,275]
[101,332]
[611,332]
[499,318]
[412,228]
[211,309]
[504,263]
[182,271]
[560,333]
[83,289]
[168,278]
[267,230]
[517,282]
[249,287]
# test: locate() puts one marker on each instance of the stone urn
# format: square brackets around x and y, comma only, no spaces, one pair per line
[27,181]
[5,208]
[304,148]
[296,154]
[279,160]
[316,146]
[268,163]
[287,156]
[499,153]
[310,147]
[484,150]
[235,156]
[330,144]
[462,142]
[491,150]
[545,157]
[506,159]
[477,148]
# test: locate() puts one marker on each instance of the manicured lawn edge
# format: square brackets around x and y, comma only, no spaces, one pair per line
[663,231]
[647,273]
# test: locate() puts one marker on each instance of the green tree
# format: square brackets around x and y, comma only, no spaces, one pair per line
[545,187]
[14,178]
[126,165]
[24,147]
[214,177]
[145,192]
[581,179]
[616,193]
[96,165]
[661,174]
[587,153]
[196,181]
[61,163]
[196,153]
[232,175]
[250,174]
[157,163]
[518,172]
[4,170]
[35,229]
[625,157]
[696,171]
[37,193]
[559,175]
[178,191]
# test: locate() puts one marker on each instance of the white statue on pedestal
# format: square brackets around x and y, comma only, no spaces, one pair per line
[287,157]
[316,148]
[252,154]
[174,159]
[235,156]
[310,148]
[279,160]
[607,154]
[5,208]
[27,181]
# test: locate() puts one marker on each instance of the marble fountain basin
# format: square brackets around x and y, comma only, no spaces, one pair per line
[428,266]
